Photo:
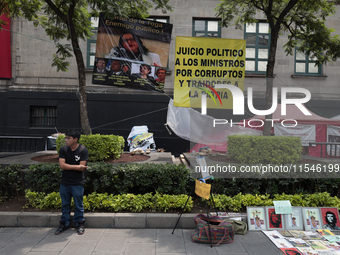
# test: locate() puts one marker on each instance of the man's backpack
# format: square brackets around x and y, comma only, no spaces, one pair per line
[81,148]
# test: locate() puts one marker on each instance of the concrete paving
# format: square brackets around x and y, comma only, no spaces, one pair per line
[102,241]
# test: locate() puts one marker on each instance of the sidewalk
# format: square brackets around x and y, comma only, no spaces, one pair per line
[98,241]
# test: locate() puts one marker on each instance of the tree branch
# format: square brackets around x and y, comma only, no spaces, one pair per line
[57,11]
[285,11]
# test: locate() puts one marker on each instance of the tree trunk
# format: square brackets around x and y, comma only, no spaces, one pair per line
[270,80]
[84,120]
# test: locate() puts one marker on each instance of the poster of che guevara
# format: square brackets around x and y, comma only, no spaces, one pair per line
[131,53]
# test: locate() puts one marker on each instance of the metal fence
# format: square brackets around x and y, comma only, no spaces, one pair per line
[328,150]
[21,143]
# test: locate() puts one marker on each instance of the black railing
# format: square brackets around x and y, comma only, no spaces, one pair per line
[21,143]
[333,147]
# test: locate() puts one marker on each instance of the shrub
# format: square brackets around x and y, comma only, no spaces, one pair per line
[115,178]
[117,203]
[264,149]
[100,147]
[163,202]
[146,178]
[44,177]
[11,181]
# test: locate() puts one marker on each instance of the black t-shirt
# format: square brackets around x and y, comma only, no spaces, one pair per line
[72,177]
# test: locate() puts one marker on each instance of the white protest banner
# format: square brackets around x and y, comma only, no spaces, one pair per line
[305,132]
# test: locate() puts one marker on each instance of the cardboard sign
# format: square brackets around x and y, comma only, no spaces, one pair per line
[332,239]
[283,207]
[202,189]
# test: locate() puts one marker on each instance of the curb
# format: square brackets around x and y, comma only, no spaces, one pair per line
[101,220]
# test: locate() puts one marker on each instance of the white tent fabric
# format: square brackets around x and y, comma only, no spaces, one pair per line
[195,127]
[337,117]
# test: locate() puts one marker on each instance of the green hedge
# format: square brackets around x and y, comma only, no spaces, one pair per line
[44,177]
[118,203]
[264,149]
[146,178]
[163,203]
[259,186]
[115,178]
[167,179]
[240,201]
[100,147]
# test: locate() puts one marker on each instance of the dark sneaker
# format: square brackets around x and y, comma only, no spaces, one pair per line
[81,228]
[61,228]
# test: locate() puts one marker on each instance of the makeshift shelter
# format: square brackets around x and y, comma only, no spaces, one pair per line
[311,128]
[191,125]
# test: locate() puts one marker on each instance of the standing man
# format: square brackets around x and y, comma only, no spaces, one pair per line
[72,159]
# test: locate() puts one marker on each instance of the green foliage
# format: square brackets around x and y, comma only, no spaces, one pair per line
[115,178]
[239,202]
[34,199]
[117,203]
[10,181]
[303,22]
[146,178]
[310,200]
[23,8]
[44,177]
[163,202]
[264,149]
[232,187]
[100,147]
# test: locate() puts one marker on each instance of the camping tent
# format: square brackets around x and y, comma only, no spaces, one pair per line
[305,128]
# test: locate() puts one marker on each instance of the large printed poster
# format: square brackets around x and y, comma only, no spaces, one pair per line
[201,64]
[305,132]
[131,53]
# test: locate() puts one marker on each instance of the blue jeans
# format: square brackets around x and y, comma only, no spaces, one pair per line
[66,193]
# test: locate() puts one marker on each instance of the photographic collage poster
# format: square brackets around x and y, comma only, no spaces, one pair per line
[131,53]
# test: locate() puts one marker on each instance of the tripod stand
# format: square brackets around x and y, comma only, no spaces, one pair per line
[192,187]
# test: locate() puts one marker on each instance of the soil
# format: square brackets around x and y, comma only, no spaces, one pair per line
[17,204]
[125,158]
